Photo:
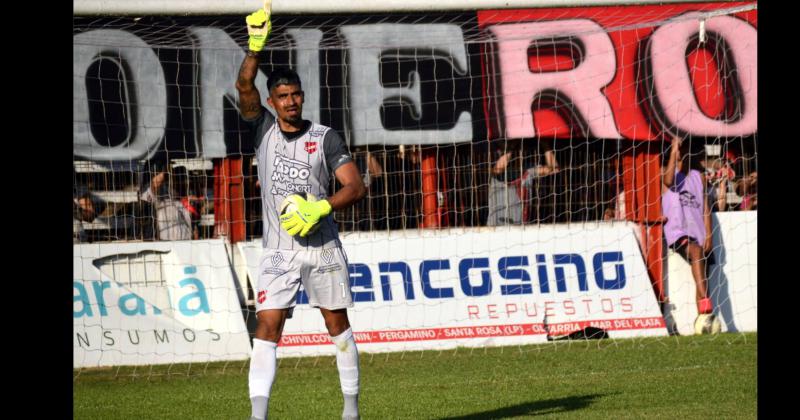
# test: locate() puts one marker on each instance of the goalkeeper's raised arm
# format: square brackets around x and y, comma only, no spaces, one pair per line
[259,26]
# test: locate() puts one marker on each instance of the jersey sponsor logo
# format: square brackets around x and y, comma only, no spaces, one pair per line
[327,256]
[262,296]
[290,189]
[289,169]
[316,133]
[311,146]
[289,176]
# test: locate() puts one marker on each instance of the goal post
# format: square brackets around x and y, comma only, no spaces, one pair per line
[512,154]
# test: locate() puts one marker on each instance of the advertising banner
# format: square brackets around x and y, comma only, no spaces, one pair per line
[155,303]
[423,78]
[475,287]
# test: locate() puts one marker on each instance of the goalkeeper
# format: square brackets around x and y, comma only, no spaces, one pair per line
[296,155]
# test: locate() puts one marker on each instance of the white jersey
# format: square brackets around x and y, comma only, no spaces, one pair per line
[286,166]
[173,220]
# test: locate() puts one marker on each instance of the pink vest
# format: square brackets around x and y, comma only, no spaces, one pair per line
[682,205]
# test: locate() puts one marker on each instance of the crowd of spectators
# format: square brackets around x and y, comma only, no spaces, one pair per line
[504,183]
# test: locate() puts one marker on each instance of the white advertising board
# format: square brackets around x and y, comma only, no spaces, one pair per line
[436,289]
[155,303]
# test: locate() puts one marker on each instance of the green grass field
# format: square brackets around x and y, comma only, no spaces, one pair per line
[669,377]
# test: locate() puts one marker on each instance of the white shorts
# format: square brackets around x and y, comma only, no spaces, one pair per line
[322,272]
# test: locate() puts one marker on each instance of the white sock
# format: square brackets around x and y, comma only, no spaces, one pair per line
[347,362]
[262,374]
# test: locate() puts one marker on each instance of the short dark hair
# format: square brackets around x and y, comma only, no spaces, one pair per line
[179,178]
[283,76]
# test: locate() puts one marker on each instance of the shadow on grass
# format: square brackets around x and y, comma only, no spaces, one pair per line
[559,405]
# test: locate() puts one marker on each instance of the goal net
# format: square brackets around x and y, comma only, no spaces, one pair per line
[512,158]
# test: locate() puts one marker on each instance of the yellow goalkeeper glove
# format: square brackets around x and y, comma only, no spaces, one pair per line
[259,25]
[305,218]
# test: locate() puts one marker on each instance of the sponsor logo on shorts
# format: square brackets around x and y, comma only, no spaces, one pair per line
[329,268]
[277,259]
[262,296]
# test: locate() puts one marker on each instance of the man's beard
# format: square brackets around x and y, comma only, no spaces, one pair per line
[294,118]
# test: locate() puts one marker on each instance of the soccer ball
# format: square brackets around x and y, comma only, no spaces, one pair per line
[289,203]
[707,324]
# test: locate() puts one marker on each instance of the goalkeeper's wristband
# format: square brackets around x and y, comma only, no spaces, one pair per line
[255,44]
[251,53]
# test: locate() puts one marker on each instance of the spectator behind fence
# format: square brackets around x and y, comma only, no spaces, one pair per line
[176,213]
[373,170]
[371,213]
[94,219]
[509,183]
[85,209]
[408,174]
[719,176]
[393,181]
[617,209]
[688,217]
[613,180]
[747,188]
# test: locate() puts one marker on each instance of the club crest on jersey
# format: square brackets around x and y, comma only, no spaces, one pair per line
[311,146]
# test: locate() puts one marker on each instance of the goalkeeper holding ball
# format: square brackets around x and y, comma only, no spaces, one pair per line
[297,156]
